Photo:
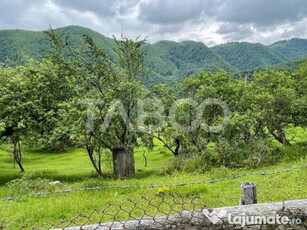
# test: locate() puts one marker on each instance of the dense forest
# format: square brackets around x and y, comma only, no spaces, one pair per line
[243,55]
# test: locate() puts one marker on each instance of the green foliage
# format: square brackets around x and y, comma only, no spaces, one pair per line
[20,45]
[242,155]
[300,85]
[177,60]
[48,92]
[294,49]
[260,110]
[290,67]
[244,56]
[94,76]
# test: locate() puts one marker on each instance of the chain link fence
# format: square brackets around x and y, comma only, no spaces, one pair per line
[171,211]
[153,186]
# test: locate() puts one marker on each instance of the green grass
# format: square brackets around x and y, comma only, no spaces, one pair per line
[74,169]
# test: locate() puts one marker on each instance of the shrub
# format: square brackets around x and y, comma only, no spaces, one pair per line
[27,185]
[250,155]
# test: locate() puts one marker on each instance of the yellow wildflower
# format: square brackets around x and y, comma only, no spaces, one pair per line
[163,190]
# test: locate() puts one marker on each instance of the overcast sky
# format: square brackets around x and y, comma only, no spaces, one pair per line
[209,21]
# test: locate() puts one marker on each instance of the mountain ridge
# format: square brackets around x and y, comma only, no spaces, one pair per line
[170,60]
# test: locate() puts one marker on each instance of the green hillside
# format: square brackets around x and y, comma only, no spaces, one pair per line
[290,67]
[293,49]
[183,59]
[20,45]
[243,55]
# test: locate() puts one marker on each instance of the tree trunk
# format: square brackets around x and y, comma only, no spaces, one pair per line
[123,162]
[90,151]
[281,137]
[176,152]
[17,153]
[177,141]
[145,158]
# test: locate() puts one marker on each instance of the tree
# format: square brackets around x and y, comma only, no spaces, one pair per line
[17,108]
[170,138]
[109,88]
[120,87]
[193,93]
[278,102]
[300,86]
[211,88]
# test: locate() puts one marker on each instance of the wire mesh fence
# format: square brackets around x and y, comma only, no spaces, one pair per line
[153,186]
[132,213]
[170,211]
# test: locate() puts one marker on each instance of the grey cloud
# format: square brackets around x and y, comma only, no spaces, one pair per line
[103,8]
[227,28]
[235,31]
[171,11]
[239,36]
[238,17]
[169,29]
[258,12]
[209,21]
[126,6]
[296,29]
[11,11]
[261,12]
[211,43]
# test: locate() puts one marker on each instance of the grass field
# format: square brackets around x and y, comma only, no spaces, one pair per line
[74,169]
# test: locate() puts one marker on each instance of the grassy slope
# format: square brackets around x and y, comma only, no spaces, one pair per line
[74,169]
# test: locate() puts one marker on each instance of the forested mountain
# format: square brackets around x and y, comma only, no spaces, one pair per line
[293,49]
[291,67]
[170,61]
[176,60]
[244,56]
[20,45]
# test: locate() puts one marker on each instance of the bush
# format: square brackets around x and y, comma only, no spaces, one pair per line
[27,185]
[250,155]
